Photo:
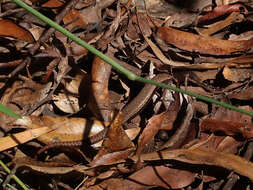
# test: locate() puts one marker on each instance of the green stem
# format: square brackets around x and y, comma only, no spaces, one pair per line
[121,69]
[13,176]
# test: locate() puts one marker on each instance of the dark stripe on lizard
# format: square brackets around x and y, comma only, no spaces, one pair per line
[129,111]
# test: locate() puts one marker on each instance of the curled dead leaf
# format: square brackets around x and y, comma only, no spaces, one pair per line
[228,127]
[8,28]
[223,10]
[160,176]
[228,161]
[204,45]
[117,145]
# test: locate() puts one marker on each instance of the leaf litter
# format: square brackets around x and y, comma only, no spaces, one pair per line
[85,126]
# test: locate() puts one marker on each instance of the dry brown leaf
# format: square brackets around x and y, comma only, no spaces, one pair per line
[74,84]
[228,127]
[25,94]
[74,20]
[234,17]
[60,166]
[231,115]
[22,137]
[154,124]
[160,176]
[227,123]
[10,29]
[204,45]
[182,19]
[182,131]
[236,75]
[110,184]
[143,22]
[66,103]
[21,97]
[162,57]
[53,4]
[228,161]
[117,145]
[245,94]
[223,10]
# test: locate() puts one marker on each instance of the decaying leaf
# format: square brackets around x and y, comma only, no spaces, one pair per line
[228,161]
[21,97]
[50,84]
[238,75]
[228,127]
[22,137]
[245,94]
[8,28]
[181,132]
[160,176]
[117,145]
[234,17]
[222,10]
[66,103]
[149,132]
[204,45]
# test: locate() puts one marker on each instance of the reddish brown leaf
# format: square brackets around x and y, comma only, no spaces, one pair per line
[181,132]
[8,28]
[117,145]
[204,45]
[222,10]
[154,124]
[160,176]
[53,4]
[74,19]
[245,94]
[228,127]
[163,121]
[228,161]
[232,18]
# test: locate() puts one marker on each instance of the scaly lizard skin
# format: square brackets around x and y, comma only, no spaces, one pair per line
[128,112]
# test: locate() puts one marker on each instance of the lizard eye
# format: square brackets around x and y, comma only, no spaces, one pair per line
[163,135]
[243,9]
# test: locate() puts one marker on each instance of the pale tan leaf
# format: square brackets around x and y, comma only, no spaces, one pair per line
[22,137]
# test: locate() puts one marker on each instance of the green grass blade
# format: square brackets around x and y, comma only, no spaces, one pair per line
[8,111]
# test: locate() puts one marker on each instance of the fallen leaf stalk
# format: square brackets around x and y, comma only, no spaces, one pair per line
[116,66]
